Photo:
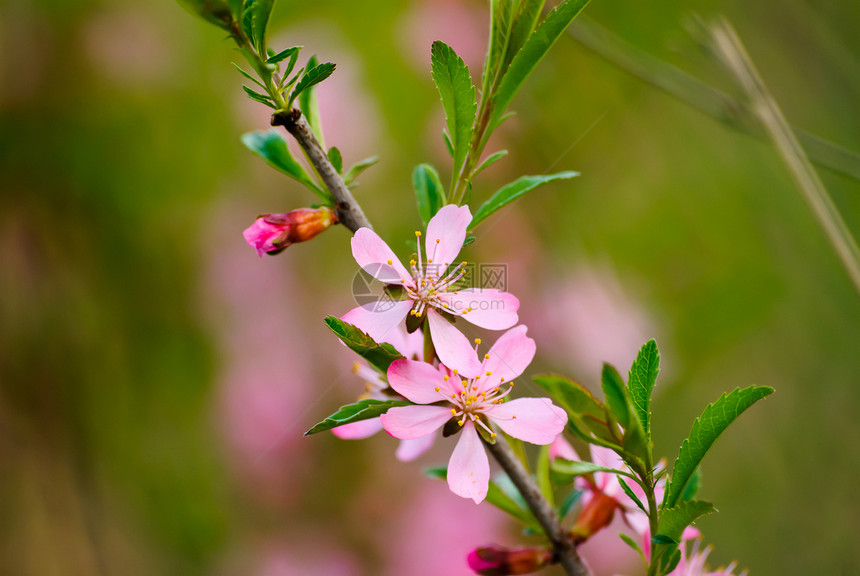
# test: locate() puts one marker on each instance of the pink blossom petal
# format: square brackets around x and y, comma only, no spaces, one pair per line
[468,469]
[453,349]
[410,422]
[411,449]
[561,448]
[377,259]
[446,233]
[381,320]
[358,430]
[534,420]
[509,356]
[417,381]
[606,481]
[487,307]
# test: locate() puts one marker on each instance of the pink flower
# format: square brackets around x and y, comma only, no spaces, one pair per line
[272,233]
[474,401]
[693,564]
[375,386]
[430,290]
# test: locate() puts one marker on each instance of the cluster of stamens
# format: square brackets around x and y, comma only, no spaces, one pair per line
[431,281]
[475,396]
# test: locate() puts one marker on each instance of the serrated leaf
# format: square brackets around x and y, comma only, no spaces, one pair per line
[523,26]
[641,381]
[514,190]
[489,161]
[257,97]
[269,146]
[534,49]
[312,76]
[255,20]
[379,355]
[457,92]
[617,399]
[361,410]
[429,191]
[336,159]
[356,169]
[674,520]
[706,429]
[495,496]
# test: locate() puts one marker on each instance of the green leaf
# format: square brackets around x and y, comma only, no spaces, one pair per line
[542,475]
[568,503]
[489,161]
[669,563]
[336,159]
[537,45]
[457,92]
[523,26]
[255,20]
[356,169]
[449,146]
[312,76]
[632,495]
[630,542]
[617,399]
[215,12]
[380,356]
[257,97]
[693,485]
[706,429]
[429,192]
[674,520]
[573,397]
[500,29]
[309,105]
[514,190]
[291,53]
[641,380]
[248,76]
[574,468]
[361,410]
[269,146]
[495,496]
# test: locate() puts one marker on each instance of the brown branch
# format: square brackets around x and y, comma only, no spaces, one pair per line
[562,542]
[348,211]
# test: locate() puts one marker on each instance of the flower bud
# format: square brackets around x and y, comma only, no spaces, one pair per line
[595,516]
[272,233]
[495,561]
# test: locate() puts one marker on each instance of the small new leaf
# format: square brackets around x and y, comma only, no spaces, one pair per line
[336,159]
[257,97]
[255,20]
[514,190]
[380,356]
[268,145]
[489,161]
[429,192]
[706,429]
[361,410]
[457,92]
[356,169]
[313,75]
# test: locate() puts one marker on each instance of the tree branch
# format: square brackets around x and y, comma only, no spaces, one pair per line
[348,211]
[561,540]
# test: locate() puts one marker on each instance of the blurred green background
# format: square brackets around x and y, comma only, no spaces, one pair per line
[155,375]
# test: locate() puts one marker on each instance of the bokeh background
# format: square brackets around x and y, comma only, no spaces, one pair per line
[156,375]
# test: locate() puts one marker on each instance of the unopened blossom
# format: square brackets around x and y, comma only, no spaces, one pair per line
[273,233]
[477,400]
[430,290]
[499,561]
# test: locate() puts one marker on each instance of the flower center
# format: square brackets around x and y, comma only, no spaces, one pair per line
[431,281]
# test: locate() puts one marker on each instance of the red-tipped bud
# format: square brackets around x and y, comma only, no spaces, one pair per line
[272,233]
[496,561]
[595,516]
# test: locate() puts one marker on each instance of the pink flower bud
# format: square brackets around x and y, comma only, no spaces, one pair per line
[596,515]
[496,561]
[272,233]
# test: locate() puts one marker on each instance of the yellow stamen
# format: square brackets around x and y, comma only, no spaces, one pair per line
[478,341]
[390,262]
[437,388]
[445,377]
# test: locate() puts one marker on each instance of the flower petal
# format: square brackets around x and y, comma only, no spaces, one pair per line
[561,448]
[410,422]
[383,321]
[468,469]
[411,449]
[377,259]
[453,349]
[485,307]
[534,420]
[358,430]
[606,481]
[446,232]
[509,356]
[417,381]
